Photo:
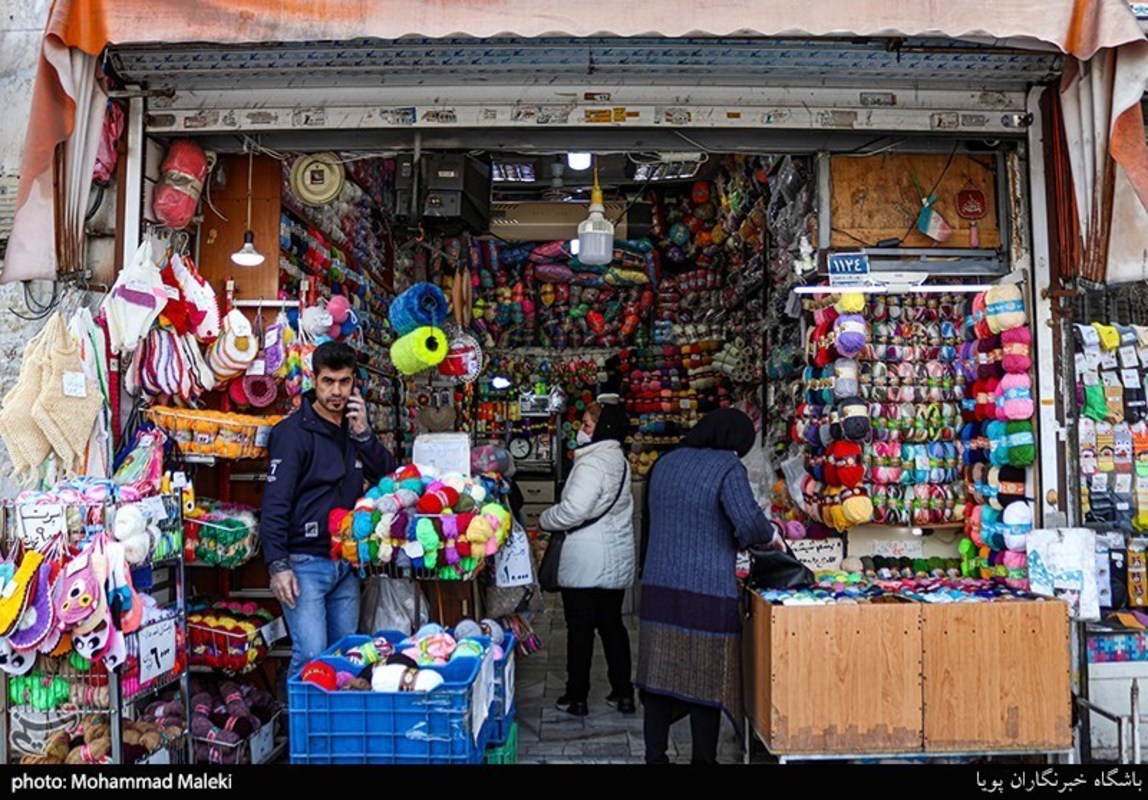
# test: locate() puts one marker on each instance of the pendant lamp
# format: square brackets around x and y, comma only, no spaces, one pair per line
[596,233]
[248,256]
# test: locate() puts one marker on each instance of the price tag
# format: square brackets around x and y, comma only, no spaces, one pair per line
[262,743]
[1092,359]
[1131,378]
[40,524]
[1081,365]
[1108,359]
[75,385]
[1124,483]
[1128,357]
[157,650]
[512,563]
[1091,377]
[274,631]
[258,367]
[1110,379]
[154,509]
[1142,355]
[179,480]
[820,555]
[482,694]
[262,435]
[158,758]
[1100,482]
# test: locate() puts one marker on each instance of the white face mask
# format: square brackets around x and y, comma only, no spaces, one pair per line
[584,438]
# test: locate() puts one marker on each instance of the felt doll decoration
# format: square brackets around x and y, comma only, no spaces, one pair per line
[16,586]
[15,662]
[39,617]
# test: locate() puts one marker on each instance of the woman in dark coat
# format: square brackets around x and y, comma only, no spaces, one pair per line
[701,511]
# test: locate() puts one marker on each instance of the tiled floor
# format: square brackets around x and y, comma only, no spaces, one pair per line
[549,736]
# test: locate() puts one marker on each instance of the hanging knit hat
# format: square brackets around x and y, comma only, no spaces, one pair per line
[1016,350]
[851,303]
[1004,308]
[235,349]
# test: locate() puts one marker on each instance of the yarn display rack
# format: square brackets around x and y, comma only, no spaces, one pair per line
[247,750]
[229,636]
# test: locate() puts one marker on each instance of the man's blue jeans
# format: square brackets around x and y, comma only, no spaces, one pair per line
[326,610]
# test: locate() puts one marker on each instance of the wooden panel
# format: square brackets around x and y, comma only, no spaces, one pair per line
[222,237]
[756,643]
[845,679]
[996,677]
[866,193]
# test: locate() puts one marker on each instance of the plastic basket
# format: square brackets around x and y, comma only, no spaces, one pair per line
[214,433]
[255,749]
[507,752]
[449,725]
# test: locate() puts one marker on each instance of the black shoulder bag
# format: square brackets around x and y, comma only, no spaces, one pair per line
[777,569]
[548,569]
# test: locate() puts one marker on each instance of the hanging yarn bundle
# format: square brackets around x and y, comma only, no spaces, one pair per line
[419,350]
[421,306]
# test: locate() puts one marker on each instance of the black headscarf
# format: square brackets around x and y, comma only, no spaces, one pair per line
[724,429]
[613,423]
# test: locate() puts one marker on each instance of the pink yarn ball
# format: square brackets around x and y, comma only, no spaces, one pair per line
[339,306]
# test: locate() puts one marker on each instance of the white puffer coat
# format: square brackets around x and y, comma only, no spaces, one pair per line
[601,556]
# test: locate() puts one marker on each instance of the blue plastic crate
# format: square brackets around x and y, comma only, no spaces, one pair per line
[500,725]
[363,727]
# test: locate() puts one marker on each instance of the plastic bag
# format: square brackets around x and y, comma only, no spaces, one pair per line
[389,605]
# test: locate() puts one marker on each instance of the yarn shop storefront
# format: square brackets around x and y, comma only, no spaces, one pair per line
[856,256]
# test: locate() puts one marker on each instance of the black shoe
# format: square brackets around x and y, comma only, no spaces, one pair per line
[623,704]
[577,708]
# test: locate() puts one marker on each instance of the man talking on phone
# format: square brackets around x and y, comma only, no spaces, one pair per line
[320,456]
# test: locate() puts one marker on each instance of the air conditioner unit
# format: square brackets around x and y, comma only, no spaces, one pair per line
[539,221]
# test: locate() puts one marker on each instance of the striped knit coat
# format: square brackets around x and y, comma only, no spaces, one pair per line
[701,512]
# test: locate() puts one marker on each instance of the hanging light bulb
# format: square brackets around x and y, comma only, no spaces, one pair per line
[596,233]
[248,256]
[579,161]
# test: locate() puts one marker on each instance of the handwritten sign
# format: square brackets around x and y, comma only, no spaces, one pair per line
[446,452]
[512,564]
[40,524]
[900,548]
[848,269]
[157,650]
[262,743]
[820,555]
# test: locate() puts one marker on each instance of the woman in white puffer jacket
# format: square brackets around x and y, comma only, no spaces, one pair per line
[598,558]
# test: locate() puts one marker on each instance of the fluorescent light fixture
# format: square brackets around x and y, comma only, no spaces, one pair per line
[579,161]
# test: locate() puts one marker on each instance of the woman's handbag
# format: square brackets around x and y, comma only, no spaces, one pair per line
[777,569]
[548,569]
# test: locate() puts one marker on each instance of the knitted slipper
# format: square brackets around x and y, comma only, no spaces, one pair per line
[27,445]
[16,589]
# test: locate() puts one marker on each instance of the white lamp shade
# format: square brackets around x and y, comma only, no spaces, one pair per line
[247,256]
[579,161]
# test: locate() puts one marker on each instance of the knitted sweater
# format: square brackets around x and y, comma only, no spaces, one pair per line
[701,512]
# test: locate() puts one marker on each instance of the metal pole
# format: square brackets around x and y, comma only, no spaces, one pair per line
[1135,720]
[132,190]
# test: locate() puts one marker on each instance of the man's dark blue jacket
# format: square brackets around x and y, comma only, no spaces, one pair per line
[315,468]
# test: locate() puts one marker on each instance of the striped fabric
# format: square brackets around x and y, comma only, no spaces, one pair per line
[701,512]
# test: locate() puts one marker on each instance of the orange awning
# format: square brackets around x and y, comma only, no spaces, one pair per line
[1080,28]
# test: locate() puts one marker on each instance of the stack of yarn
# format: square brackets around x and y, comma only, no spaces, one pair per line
[224,718]
[998,435]
[417,316]
[91,742]
[417,519]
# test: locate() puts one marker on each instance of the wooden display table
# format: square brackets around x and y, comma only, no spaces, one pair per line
[905,677]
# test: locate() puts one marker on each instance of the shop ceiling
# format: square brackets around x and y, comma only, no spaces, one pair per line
[613,94]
